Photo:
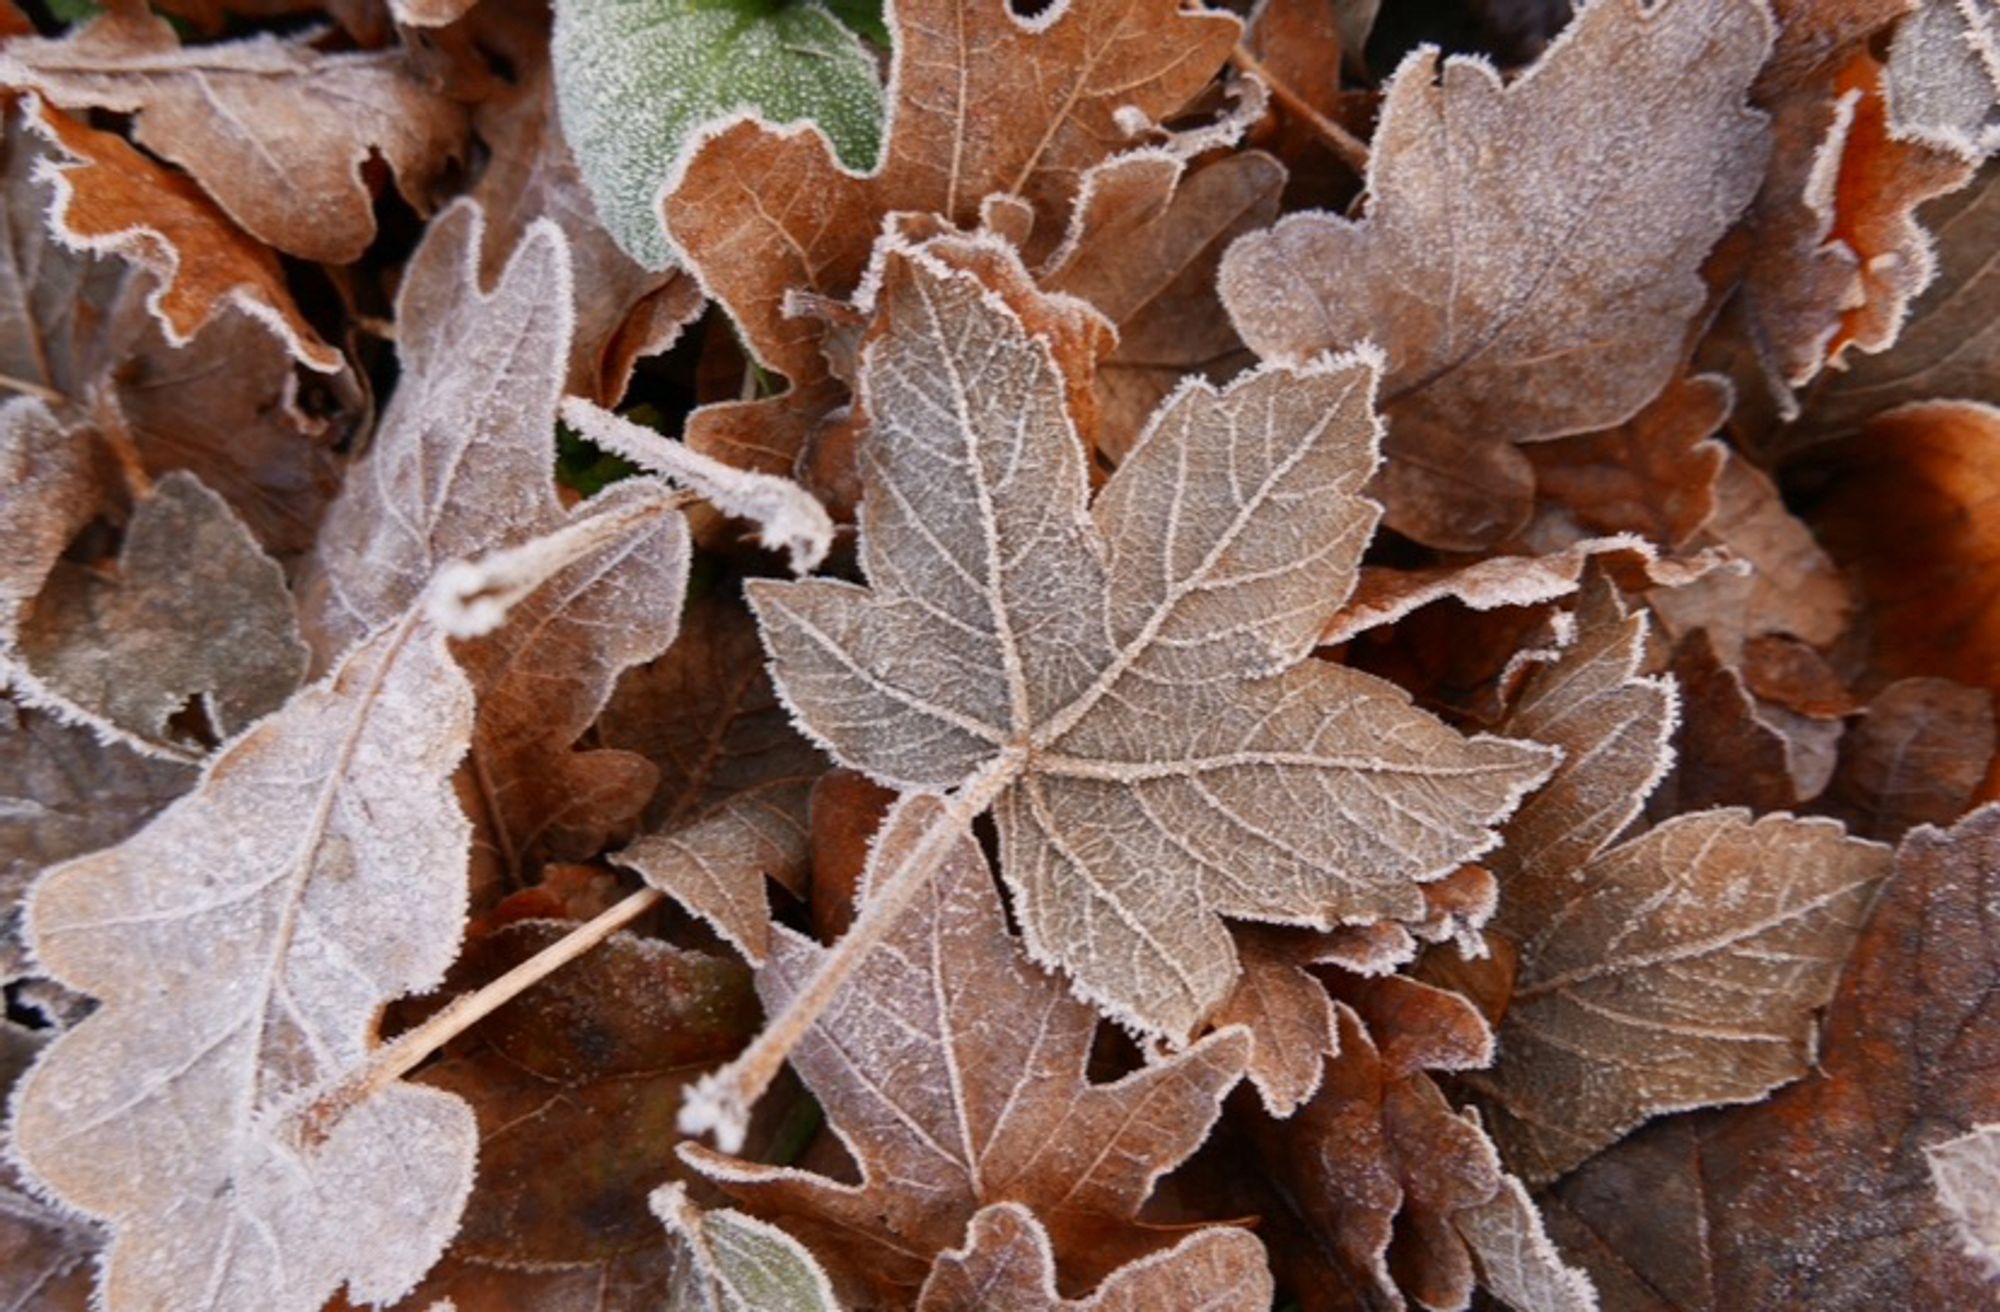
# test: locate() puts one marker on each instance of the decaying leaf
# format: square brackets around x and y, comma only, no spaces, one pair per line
[989,1102]
[274,131]
[1944,76]
[110,199]
[737,1263]
[1287,1012]
[194,613]
[1821,1196]
[1966,1174]
[1734,748]
[45,1256]
[1548,307]
[51,484]
[241,946]
[1917,757]
[1126,679]
[1007,1262]
[1653,475]
[1518,1264]
[638,84]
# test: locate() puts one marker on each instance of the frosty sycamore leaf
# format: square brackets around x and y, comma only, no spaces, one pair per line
[1530,253]
[242,946]
[636,78]
[1129,679]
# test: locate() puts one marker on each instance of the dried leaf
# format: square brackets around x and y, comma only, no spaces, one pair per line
[51,485]
[738,1263]
[989,1102]
[1678,970]
[1917,757]
[194,614]
[1546,308]
[1653,475]
[1128,676]
[1814,34]
[1944,76]
[1288,1013]
[1965,1172]
[275,131]
[1007,1262]
[241,946]
[623,310]
[110,199]
[1821,1195]
[1736,749]
[1518,1264]
[45,1255]
[715,865]
[638,85]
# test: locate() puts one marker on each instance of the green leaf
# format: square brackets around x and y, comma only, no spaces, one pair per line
[635,79]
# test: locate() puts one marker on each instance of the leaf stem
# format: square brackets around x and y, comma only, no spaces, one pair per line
[1351,149]
[720,1102]
[396,1059]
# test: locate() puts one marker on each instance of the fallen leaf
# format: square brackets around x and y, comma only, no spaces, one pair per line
[737,1263]
[1653,475]
[1515,300]
[624,311]
[1965,1172]
[1126,679]
[1813,34]
[194,614]
[989,1104]
[1917,757]
[110,199]
[241,946]
[275,131]
[1287,1012]
[845,813]
[46,1256]
[640,87]
[1944,76]
[1734,748]
[52,483]
[1820,1196]
[1518,1263]
[1007,1262]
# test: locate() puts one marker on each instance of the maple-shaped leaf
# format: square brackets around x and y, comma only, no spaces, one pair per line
[737,1263]
[1821,1196]
[988,1102]
[1006,1262]
[761,212]
[1127,680]
[274,130]
[241,946]
[110,199]
[1530,252]
[195,612]
[1944,75]
[463,464]
[637,81]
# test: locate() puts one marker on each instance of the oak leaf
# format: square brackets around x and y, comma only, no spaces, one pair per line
[275,131]
[989,1102]
[1127,679]
[1822,1194]
[1007,1262]
[1547,308]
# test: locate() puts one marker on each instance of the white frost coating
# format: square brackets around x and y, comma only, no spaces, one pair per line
[1518,1264]
[788,517]
[636,79]
[1965,1174]
[1942,84]
[739,1264]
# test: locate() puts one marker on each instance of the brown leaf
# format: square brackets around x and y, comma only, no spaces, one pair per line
[1287,1012]
[110,199]
[192,614]
[623,311]
[1917,757]
[275,131]
[1681,969]
[1512,300]
[1653,475]
[1735,749]
[1907,512]
[65,793]
[1378,1162]
[989,1102]
[463,464]
[1950,344]
[847,810]
[1944,71]
[52,483]
[1820,1196]
[46,1256]
[1007,1262]
[1127,681]
[1518,1263]
[1815,34]
[1965,1172]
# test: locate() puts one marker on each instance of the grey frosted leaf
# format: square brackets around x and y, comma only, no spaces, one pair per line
[1943,78]
[1518,1263]
[242,946]
[637,79]
[1006,1262]
[196,610]
[50,487]
[1530,253]
[737,1263]
[1135,670]
[1965,1174]
[1681,969]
